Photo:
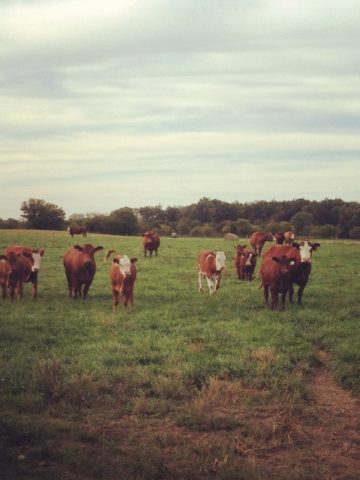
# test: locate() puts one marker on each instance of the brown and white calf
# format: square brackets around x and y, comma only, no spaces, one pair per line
[36,256]
[80,268]
[245,262]
[258,239]
[210,265]
[303,253]
[123,274]
[276,276]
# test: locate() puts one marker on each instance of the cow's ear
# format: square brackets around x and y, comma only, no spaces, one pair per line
[315,246]
[296,245]
[116,260]
[77,247]
[42,252]
[275,259]
[98,248]
[133,260]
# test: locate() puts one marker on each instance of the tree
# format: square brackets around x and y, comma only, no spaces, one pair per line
[42,215]
[302,222]
[123,222]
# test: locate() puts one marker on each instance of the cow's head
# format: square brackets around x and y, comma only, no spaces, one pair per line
[36,256]
[88,252]
[125,263]
[220,258]
[286,264]
[306,248]
[250,258]
[239,248]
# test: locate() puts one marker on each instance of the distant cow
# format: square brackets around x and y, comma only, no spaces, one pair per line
[258,239]
[210,266]
[303,253]
[80,268]
[36,255]
[77,230]
[122,277]
[15,269]
[279,238]
[276,277]
[245,262]
[289,237]
[151,242]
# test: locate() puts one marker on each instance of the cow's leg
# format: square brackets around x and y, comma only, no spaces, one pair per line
[34,290]
[291,293]
[274,298]
[200,278]
[211,285]
[300,293]
[115,299]
[282,305]
[19,290]
[217,282]
[3,291]
[85,290]
[68,279]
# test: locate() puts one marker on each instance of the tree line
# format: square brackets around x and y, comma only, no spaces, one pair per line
[328,218]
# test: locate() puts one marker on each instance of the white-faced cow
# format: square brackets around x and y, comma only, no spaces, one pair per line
[36,256]
[300,275]
[210,265]
[80,268]
[122,277]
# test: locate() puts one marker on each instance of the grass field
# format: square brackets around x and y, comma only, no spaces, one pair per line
[184,385]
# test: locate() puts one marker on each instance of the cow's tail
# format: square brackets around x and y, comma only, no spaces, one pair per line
[108,253]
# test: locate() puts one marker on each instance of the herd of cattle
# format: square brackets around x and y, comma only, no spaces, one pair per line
[283,265]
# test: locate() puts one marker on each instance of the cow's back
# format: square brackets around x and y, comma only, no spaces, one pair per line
[287,250]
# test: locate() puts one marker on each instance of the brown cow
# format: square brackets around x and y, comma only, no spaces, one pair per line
[210,266]
[80,268]
[36,255]
[77,230]
[276,275]
[15,269]
[303,253]
[151,242]
[122,277]
[245,262]
[258,239]
[289,237]
[279,238]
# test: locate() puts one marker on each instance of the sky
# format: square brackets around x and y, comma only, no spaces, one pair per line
[106,104]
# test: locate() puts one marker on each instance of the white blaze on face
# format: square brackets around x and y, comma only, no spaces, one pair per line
[125,265]
[37,261]
[305,251]
[220,260]
[248,260]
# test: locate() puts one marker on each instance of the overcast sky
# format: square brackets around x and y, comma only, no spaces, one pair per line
[113,103]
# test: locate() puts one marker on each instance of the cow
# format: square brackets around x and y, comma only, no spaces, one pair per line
[276,275]
[258,239]
[80,268]
[289,237]
[151,242]
[77,230]
[210,265]
[245,262]
[36,255]
[15,269]
[279,238]
[122,277]
[303,253]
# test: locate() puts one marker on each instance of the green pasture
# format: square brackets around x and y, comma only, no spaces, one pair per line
[88,393]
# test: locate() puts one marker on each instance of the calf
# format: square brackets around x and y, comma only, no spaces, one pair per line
[122,277]
[210,266]
[245,262]
[151,242]
[303,253]
[258,239]
[279,238]
[77,230]
[36,255]
[15,269]
[275,273]
[80,268]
